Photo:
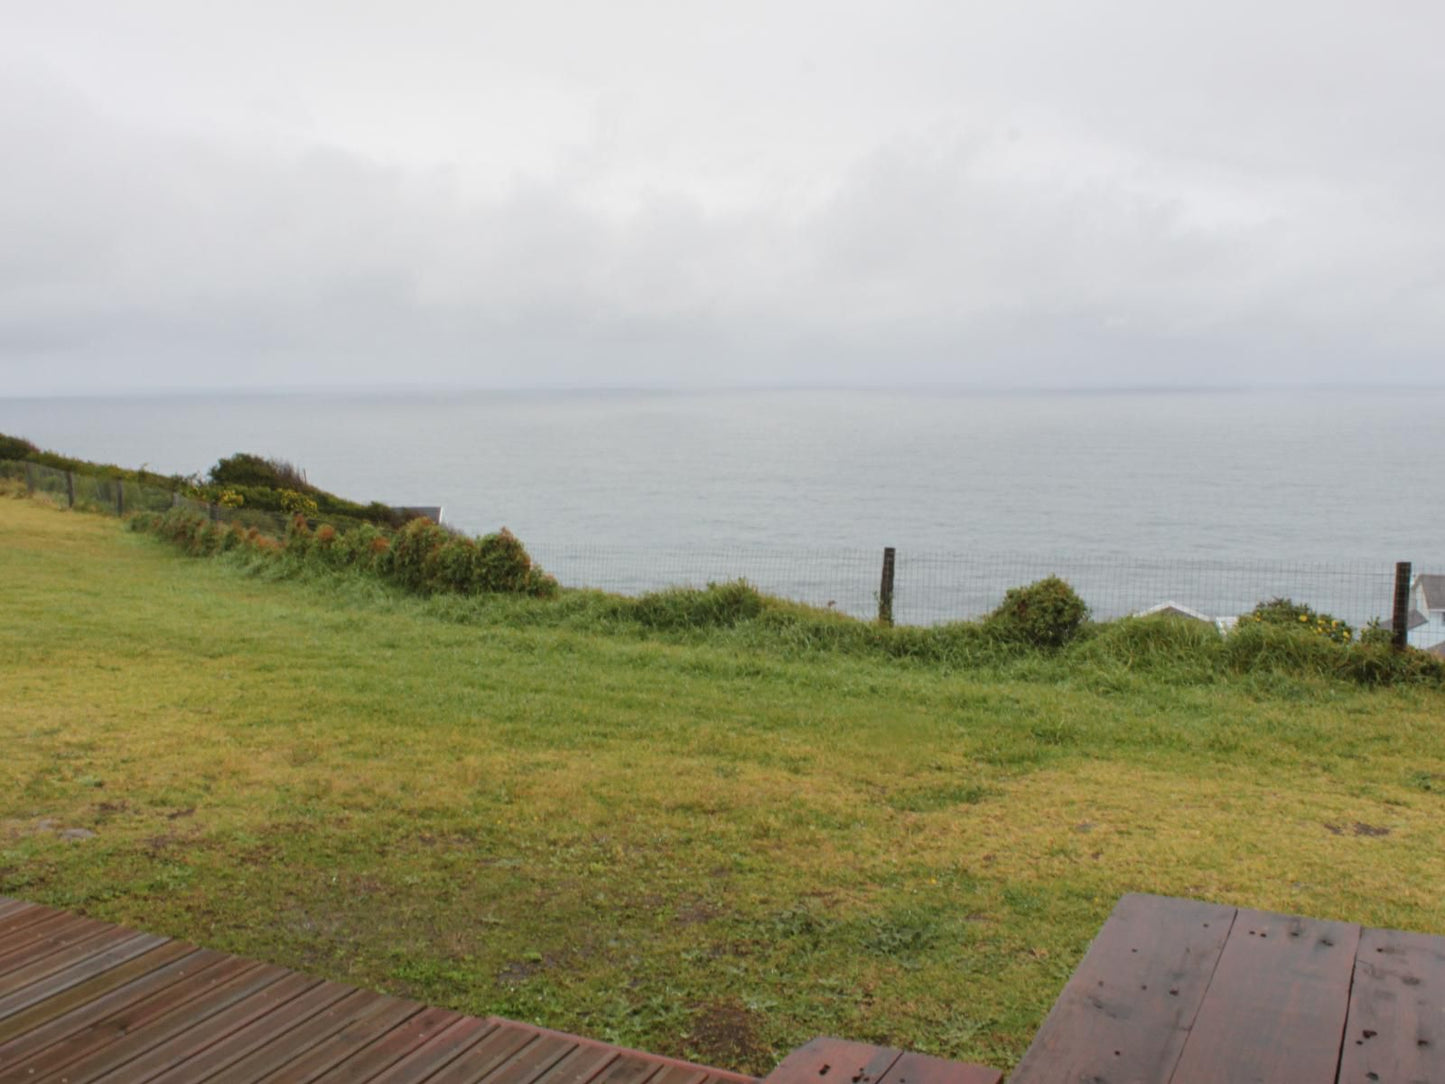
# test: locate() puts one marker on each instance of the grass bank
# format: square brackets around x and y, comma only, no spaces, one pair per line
[691,841]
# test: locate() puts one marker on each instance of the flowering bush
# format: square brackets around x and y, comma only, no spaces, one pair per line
[1296,615]
[422,557]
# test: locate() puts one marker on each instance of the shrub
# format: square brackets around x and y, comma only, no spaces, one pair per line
[298,504]
[1296,615]
[16,447]
[1046,613]
[716,606]
[243,469]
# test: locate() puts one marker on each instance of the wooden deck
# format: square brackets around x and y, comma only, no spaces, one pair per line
[86,1002]
[1186,992]
[1171,992]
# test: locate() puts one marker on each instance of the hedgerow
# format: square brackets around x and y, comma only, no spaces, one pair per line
[421,557]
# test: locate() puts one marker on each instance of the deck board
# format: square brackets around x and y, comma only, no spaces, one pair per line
[1396,1026]
[1127,1010]
[86,1002]
[1287,1000]
[1275,1011]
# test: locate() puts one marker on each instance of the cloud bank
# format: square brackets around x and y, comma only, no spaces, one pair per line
[1042,194]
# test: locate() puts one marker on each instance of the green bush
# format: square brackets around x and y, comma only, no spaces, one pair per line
[16,448]
[422,557]
[243,469]
[1047,613]
[1297,616]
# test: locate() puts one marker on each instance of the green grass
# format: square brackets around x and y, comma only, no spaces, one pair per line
[708,843]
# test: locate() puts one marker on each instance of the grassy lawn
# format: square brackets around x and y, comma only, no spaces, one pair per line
[697,847]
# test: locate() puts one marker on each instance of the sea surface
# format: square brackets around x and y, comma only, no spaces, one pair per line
[1142,496]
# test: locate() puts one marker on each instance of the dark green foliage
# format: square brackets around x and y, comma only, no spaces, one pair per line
[422,557]
[244,469]
[487,579]
[1047,613]
[16,448]
[20,448]
[1300,618]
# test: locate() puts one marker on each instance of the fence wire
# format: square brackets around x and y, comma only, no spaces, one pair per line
[928,588]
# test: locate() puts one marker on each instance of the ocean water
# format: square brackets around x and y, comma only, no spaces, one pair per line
[800,490]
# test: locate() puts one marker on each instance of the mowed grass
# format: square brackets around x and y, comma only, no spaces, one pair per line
[694,846]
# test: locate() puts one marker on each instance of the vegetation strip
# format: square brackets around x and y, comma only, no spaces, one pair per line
[705,824]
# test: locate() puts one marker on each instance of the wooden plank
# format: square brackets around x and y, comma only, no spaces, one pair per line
[440,1051]
[426,1026]
[12,926]
[1126,1011]
[167,1017]
[584,1064]
[387,1014]
[204,1064]
[47,937]
[676,1074]
[281,1050]
[70,967]
[629,1068]
[1275,1011]
[1396,1025]
[182,1047]
[85,992]
[524,1066]
[479,1060]
[24,1043]
[913,1068]
[656,1060]
[17,909]
[9,907]
[32,924]
[136,1014]
[834,1061]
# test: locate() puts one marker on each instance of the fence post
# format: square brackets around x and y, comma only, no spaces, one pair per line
[70,487]
[885,588]
[1400,619]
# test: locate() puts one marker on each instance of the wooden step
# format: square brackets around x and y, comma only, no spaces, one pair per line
[837,1061]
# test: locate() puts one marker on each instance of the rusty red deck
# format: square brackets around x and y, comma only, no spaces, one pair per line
[83,1001]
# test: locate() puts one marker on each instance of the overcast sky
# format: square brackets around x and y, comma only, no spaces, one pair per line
[1012,193]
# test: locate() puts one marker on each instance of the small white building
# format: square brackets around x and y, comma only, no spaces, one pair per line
[1427,611]
[1187,613]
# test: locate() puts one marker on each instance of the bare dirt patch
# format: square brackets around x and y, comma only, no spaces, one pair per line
[725,1033]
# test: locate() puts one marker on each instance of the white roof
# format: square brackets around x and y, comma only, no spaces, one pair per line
[1176,609]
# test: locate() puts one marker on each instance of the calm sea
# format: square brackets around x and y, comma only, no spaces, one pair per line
[812,484]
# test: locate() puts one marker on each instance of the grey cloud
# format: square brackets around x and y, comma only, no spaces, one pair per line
[1073,205]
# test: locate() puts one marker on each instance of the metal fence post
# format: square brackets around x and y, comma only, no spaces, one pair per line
[70,487]
[1400,618]
[885,588]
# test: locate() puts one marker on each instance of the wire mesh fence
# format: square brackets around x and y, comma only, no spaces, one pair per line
[926,588]
[930,588]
